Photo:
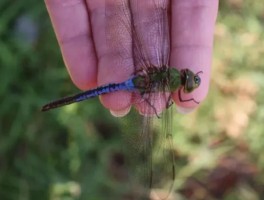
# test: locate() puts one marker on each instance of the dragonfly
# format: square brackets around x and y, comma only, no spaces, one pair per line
[149,82]
[152,79]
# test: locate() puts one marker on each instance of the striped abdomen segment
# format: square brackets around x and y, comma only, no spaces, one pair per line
[127,85]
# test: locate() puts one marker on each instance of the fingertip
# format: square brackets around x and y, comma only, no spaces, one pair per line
[81,80]
[81,63]
[117,101]
[120,113]
[192,44]
[194,99]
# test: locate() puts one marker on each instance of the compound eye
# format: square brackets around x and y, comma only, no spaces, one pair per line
[197,80]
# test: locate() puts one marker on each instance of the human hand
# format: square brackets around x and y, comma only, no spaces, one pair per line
[80,30]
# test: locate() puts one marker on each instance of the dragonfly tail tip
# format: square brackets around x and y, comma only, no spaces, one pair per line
[45,108]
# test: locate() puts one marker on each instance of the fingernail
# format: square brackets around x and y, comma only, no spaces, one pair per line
[120,113]
[183,110]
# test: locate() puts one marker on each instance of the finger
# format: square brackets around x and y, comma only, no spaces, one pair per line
[192,43]
[72,27]
[113,47]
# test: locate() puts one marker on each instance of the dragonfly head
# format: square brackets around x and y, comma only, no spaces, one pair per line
[189,80]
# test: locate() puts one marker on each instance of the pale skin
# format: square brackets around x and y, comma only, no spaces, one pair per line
[78,27]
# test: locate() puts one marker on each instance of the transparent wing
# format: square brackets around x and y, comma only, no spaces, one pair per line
[154,32]
[138,141]
[139,30]
[163,164]
[149,155]
[119,31]
[159,148]
[151,26]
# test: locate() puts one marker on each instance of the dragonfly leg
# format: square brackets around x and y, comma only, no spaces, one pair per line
[169,102]
[141,72]
[153,107]
[186,100]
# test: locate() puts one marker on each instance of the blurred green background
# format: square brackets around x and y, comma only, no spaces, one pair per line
[67,154]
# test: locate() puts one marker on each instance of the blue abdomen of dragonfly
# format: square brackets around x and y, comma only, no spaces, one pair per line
[126,85]
[113,87]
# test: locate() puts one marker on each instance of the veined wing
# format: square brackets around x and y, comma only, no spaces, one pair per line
[157,147]
[151,29]
[151,147]
[163,158]
[139,30]
[138,35]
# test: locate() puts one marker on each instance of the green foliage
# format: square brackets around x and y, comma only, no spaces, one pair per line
[67,153]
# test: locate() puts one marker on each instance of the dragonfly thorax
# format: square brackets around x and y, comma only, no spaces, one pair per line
[158,80]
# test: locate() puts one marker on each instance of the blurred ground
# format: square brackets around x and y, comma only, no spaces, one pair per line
[68,154]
